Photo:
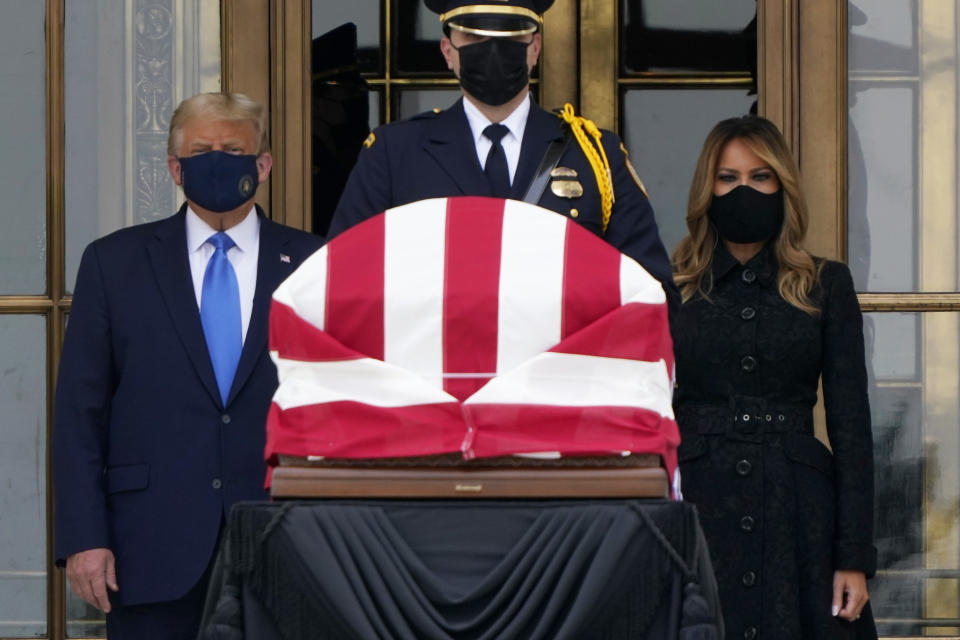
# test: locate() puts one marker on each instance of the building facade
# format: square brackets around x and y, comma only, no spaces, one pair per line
[867,93]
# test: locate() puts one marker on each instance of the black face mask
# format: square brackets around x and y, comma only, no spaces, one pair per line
[494,71]
[744,215]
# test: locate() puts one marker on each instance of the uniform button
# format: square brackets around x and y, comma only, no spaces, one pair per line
[747,523]
[574,213]
[748,276]
[750,633]
[216,484]
[748,363]
[744,467]
[749,579]
[225,418]
[748,313]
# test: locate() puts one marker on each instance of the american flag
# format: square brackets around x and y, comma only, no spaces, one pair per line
[476,325]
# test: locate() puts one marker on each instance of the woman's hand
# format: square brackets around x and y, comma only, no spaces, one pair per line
[849,594]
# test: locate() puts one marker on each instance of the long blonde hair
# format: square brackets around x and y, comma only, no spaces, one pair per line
[797,271]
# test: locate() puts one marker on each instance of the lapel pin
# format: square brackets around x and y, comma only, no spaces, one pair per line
[284,258]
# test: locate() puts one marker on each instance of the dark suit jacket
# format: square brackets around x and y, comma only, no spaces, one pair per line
[433,156]
[147,460]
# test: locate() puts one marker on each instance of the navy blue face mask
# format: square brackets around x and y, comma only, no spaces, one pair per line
[219,181]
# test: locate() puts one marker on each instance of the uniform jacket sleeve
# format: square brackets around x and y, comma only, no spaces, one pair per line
[848,420]
[85,384]
[368,188]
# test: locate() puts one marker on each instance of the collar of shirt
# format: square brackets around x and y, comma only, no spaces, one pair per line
[244,235]
[516,122]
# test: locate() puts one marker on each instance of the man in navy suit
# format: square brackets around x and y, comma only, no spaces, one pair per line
[165,380]
[491,142]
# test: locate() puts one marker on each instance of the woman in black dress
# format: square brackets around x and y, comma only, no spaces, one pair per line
[789,524]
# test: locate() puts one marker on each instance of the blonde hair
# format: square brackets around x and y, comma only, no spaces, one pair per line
[232,107]
[797,272]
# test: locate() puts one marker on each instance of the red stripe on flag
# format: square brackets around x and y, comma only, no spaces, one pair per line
[510,429]
[471,292]
[591,279]
[293,338]
[355,275]
[635,331]
[348,429]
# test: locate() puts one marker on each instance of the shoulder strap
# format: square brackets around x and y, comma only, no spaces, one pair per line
[547,164]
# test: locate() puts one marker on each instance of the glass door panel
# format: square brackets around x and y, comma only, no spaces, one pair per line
[23,243]
[903,241]
[902,93]
[366,15]
[23,522]
[915,370]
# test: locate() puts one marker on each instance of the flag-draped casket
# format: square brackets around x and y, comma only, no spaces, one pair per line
[476,325]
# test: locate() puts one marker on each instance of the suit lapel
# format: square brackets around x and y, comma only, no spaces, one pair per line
[451,144]
[271,271]
[542,129]
[171,267]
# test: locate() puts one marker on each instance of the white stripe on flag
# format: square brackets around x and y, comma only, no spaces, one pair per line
[570,380]
[636,285]
[305,290]
[413,289]
[531,283]
[365,380]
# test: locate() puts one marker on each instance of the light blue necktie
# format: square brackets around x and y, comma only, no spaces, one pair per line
[220,313]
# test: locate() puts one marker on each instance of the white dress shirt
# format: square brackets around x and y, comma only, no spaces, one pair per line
[516,122]
[243,256]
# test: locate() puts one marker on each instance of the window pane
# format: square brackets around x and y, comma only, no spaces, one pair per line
[374,106]
[414,101]
[417,32]
[127,66]
[23,243]
[23,536]
[688,35]
[83,620]
[664,130]
[903,200]
[365,14]
[915,366]
[883,36]
[882,207]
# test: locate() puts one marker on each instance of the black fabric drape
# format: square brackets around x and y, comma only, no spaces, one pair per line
[462,570]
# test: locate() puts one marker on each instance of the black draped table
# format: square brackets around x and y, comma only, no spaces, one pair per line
[454,569]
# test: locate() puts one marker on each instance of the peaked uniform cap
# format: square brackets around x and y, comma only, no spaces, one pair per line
[495,18]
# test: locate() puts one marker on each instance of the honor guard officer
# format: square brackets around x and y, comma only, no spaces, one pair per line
[495,141]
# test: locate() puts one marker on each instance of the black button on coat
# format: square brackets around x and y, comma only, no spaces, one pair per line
[811,512]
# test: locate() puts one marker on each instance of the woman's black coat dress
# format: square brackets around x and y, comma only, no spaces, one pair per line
[780,512]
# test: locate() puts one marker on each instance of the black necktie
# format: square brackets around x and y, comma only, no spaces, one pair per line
[496,166]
